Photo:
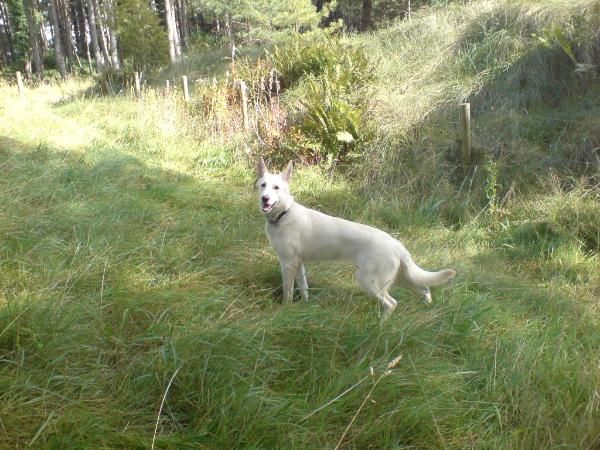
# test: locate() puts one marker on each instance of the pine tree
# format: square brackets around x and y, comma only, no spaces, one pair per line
[172,31]
[58,50]
[135,19]
[33,29]
[18,29]
[94,36]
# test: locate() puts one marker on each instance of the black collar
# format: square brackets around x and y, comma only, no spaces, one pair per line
[275,222]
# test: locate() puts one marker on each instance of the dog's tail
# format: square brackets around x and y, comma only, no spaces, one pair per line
[425,278]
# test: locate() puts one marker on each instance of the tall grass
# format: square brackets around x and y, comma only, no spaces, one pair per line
[527,68]
[133,268]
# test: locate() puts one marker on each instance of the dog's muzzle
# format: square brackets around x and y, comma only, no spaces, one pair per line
[266,206]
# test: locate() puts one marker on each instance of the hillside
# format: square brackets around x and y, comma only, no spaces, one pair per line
[135,277]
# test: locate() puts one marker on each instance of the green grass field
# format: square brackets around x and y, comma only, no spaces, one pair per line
[134,270]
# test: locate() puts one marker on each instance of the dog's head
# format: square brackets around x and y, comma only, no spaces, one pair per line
[273,189]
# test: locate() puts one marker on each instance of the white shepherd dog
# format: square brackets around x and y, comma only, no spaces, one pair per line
[300,234]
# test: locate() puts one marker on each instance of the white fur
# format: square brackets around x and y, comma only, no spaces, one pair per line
[303,234]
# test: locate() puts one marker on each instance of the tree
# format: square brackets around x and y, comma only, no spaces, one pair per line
[78,10]
[112,36]
[183,24]
[135,19]
[94,36]
[33,29]
[39,17]
[58,50]
[64,20]
[19,36]
[366,15]
[101,32]
[172,32]
[8,49]
[242,16]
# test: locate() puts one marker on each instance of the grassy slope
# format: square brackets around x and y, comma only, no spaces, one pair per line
[131,248]
[533,112]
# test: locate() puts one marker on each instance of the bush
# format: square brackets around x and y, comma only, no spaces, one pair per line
[313,55]
[137,19]
[333,97]
[333,118]
[330,99]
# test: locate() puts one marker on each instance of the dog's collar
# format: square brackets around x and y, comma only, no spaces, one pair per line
[275,221]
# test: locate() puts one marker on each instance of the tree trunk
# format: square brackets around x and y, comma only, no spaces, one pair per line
[33,31]
[172,33]
[94,36]
[101,32]
[17,26]
[184,27]
[366,16]
[41,35]
[82,42]
[58,51]
[10,49]
[74,16]
[65,29]
[114,52]
[227,25]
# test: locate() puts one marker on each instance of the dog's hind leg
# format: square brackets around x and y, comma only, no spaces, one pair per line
[422,291]
[301,281]
[376,283]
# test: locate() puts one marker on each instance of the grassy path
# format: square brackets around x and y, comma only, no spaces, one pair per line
[132,248]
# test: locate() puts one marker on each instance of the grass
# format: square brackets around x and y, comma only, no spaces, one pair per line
[132,258]
[532,111]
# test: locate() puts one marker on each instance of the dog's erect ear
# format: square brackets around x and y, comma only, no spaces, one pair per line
[287,172]
[262,168]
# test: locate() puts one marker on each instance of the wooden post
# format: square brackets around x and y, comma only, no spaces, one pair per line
[186,92]
[20,85]
[233,50]
[408,15]
[138,87]
[465,121]
[244,95]
[167,86]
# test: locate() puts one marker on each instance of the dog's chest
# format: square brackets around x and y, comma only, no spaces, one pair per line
[284,238]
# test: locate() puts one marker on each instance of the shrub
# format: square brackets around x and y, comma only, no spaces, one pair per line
[330,96]
[137,19]
[314,54]
[332,119]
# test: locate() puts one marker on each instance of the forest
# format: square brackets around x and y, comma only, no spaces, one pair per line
[140,301]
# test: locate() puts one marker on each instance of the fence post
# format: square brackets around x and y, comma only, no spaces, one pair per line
[20,85]
[186,92]
[244,96]
[233,51]
[465,120]
[138,87]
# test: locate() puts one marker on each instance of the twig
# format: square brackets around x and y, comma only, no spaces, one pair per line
[336,398]
[102,285]
[388,371]
[15,319]
[161,406]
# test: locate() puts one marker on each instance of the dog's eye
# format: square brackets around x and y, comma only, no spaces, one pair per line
[276,187]
[263,185]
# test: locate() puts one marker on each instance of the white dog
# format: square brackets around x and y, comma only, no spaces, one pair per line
[300,234]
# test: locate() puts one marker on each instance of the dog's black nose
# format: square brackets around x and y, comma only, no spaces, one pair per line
[265,198]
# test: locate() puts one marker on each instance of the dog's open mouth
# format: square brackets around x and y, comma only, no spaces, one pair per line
[267,207]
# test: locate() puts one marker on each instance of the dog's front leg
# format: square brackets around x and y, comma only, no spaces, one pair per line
[301,280]
[288,273]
